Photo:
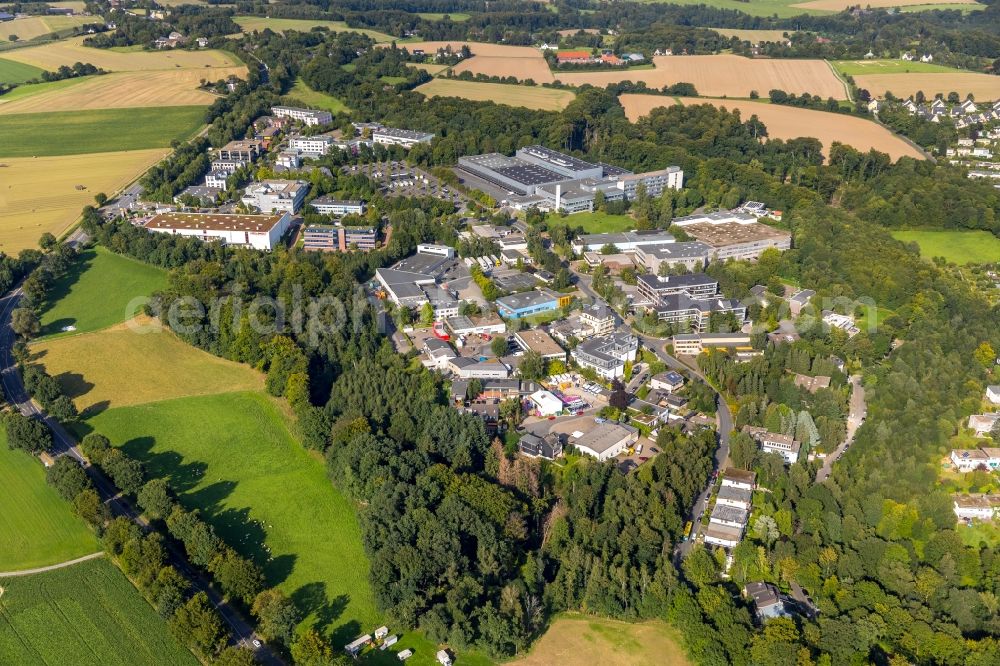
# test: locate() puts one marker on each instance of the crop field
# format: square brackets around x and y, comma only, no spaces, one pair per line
[47,193]
[122,90]
[786,122]
[727,76]
[232,456]
[523,62]
[30,27]
[69,51]
[96,130]
[37,526]
[17,72]
[982,86]
[97,291]
[840,5]
[580,640]
[315,99]
[864,67]
[531,97]
[429,67]
[754,35]
[960,247]
[88,613]
[259,23]
[136,363]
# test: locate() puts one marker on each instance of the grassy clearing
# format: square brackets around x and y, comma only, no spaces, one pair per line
[964,8]
[780,8]
[856,67]
[313,98]
[599,223]
[27,91]
[232,456]
[841,5]
[457,17]
[17,72]
[47,193]
[580,640]
[754,35]
[979,532]
[96,293]
[530,97]
[960,247]
[96,131]
[85,614]
[37,527]
[259,23]
[118,367]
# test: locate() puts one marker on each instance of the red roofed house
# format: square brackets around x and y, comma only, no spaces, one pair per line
[573,57]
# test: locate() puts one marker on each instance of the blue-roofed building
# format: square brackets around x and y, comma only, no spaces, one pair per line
[525,304]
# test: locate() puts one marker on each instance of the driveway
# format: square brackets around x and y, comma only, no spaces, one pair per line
[856,416]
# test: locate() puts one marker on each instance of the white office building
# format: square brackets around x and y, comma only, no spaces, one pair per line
[305,116]
[272,196]
[312,146]
[390,136]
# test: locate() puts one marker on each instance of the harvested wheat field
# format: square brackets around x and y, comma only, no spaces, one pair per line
[36,26]
[726,76]
[523,62]
[982,86]
[429,67]
[786,122]
[41,194]
[122,366]
[67,52]
[125,90]
[754,35]
[840,5]
[530,97]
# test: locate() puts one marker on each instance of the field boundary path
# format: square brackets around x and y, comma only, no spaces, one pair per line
[856,416]
[840,77]
[51,567]
[64,444]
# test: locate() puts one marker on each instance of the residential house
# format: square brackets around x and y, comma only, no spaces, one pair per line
[740,498]
[598,317]
[800,300]
[811,384]
[539,341]
[772,442]
[669,381]
[549,447]
[967,460]
[976,507]
[993,394]
[982,424]
[738,478]
[767,602]
[437,354]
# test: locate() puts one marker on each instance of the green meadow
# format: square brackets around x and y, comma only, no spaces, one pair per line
[96,131]
[960,247]
[16,72]
[96,293]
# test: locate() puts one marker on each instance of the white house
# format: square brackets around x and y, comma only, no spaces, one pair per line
[993,394]
[982,424]
[735,497]
[546,403]
[976,507]
[738,478]
[667,381]
[966,460]
[607,354]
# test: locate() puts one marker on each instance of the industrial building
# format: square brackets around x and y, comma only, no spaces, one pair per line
[272,196]
[733,235]
[261,232]
[417,280]
[625,241]
[390,136]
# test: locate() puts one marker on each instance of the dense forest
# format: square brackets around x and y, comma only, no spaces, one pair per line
[478,547]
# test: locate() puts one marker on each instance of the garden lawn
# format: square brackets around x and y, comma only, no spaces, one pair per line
[960,247]
[232,457]
[96,292]
[88,613]
[313,98]
[37,527]
[598,222]
[17,72]
[96,131]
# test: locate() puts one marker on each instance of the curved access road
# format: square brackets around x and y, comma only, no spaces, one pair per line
[63,443]
[51,567]
[724,420]
[856,416]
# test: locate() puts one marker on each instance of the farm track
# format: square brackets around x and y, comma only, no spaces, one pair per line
[51,567]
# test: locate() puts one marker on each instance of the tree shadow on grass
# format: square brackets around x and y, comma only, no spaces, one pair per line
[74,385]
[312,599]
[181,476]
[61,287]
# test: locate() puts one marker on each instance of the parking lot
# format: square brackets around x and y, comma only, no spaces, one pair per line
[399,179]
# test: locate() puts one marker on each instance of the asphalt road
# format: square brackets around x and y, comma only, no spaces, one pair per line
[64,444]
[856,416]
[724,421]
